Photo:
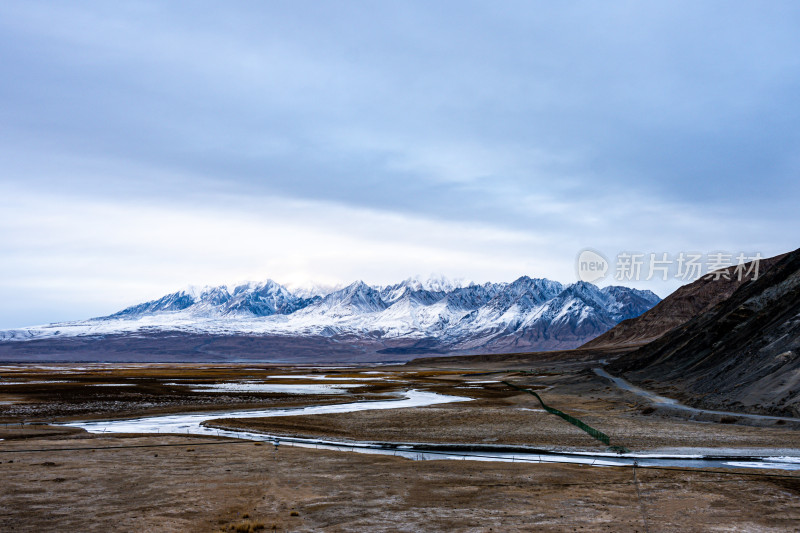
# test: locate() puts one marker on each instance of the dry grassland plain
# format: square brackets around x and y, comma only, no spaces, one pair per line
[62,479]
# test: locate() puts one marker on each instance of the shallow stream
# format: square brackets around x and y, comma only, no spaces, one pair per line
[192,424]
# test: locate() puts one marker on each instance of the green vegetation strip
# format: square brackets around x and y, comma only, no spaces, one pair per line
[597,434]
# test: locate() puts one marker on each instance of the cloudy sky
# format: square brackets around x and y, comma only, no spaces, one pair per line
[147,146]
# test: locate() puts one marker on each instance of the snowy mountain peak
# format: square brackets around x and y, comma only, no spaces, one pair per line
[176,301]
[524,294]
[263,299]
[358,297]
[526,314]
[627,303]
[313,290]
[269,284]
[588,292]
[434,283]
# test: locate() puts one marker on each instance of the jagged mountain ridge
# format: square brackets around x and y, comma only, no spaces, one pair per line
[257,299]
[527,313]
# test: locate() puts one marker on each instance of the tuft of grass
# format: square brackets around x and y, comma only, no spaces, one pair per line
[247,527]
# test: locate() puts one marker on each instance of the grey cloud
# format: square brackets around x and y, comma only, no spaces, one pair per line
[558,120]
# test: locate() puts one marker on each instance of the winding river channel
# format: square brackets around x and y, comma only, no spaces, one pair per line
[193,424]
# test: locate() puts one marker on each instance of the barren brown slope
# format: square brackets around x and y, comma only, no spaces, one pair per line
[742,354]
[676,309]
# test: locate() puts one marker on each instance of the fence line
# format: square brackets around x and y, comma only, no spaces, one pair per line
[541,459]
[596,433]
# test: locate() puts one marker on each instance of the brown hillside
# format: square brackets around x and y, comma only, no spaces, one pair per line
[741,354]
[676,309]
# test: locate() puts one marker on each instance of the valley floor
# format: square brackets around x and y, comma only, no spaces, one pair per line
[502,415]
[62,479]
[181,484]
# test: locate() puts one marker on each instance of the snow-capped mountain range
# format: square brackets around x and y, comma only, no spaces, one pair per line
[526,314]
